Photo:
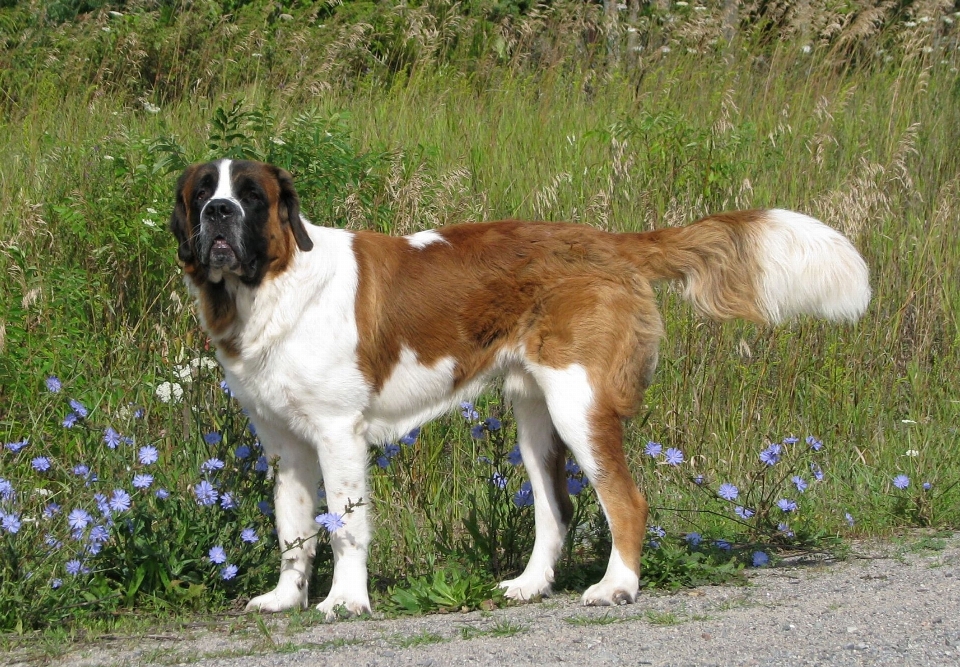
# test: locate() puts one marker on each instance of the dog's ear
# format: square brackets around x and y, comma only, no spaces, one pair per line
[179,224]
[290,209]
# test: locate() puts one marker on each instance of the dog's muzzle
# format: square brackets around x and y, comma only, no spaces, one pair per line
[221,220]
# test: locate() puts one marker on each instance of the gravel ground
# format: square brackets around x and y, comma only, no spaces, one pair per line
[890,603]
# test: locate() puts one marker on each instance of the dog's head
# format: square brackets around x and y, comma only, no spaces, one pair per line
[236,217]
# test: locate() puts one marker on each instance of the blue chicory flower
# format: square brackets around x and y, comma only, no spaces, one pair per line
[54,385]
[787,505]
[119,500]
[148,455]
[17,446]
[213,438]
[211,465]
[142,481]
[760,559]
[410,437]
[249,535]
[468,411]
[771,455]
[99,534]
[800,483]
[79,408]
[523,497]
[514,457]
[673,456]
[693,539]
[228,572]
[901,481]
[728,491]
[217,555]
[41,464]
[111,437]
[331,521]
[205,493]
[10,522]
[79,519]
[815,444]
[653,449]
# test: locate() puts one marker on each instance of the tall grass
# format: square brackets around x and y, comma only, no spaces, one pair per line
[418,117]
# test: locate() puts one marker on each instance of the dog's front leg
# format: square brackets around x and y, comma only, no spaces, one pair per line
[343,460]
[295,489]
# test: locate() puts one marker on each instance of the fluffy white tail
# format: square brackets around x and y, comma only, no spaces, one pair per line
[765,265]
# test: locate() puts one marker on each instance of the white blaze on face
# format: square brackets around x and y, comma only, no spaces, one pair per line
[224,187]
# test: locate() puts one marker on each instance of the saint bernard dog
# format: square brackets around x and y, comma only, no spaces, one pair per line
[334,340]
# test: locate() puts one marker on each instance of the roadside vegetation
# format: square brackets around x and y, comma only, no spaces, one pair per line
[130,481]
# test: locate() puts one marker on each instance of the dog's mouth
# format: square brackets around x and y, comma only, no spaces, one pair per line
[223,256]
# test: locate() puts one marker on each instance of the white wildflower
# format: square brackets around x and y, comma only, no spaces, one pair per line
[169,392]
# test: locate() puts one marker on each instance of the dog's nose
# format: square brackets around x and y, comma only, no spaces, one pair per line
[220,209]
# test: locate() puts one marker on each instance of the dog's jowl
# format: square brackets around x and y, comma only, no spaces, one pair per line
[336,339]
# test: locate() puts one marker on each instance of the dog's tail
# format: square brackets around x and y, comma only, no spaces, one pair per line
[766,265]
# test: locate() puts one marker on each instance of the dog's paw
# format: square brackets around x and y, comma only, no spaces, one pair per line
[525,587]
[337,606]
[608,593]
[280,598]
[290,593]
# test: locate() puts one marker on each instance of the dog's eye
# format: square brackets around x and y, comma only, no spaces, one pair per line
[201,194]
[252,197]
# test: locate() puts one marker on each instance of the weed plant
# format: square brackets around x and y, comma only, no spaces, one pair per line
[399,119]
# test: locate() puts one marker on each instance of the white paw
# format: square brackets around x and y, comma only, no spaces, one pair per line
[279,599]
[338,606]
[611,593]
[526,587]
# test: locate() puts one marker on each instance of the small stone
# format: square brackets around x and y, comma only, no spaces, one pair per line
[851,629]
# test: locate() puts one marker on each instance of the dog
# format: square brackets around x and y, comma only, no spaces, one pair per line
[334,340]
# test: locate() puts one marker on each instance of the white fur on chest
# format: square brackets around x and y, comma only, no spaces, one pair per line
[297,336]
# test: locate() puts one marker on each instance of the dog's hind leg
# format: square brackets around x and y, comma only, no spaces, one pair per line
[544,459]
[594,433]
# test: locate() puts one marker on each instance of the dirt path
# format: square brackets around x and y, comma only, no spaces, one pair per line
[900,606]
